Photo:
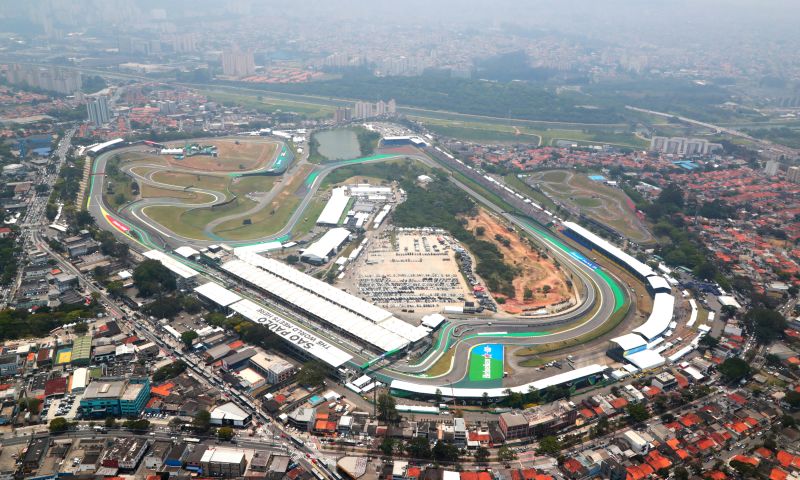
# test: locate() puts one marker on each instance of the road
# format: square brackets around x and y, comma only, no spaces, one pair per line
[35,214]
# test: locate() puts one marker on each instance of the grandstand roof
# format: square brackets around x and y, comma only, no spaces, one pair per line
[646,359]
[658,321]
[640,268]
[293,333]
[630,341]
[449,391]
[658,283]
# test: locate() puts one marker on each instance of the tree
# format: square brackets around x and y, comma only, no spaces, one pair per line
[793,398]
[438,395]
[637,412]
[485,399]
[81,328]
[728,311]
[151,277]
[479,231]
[169,371]
[137,425]
[202,421]
[734,369]
[482,455]
[445,452]
[549,445]
[505,454]
[188,337]
[115,288]
[681,473]
[59,425]
[418,448]
[387,446]
[312,374]
[387,408]
[767,325]
[225,433]
[111,422]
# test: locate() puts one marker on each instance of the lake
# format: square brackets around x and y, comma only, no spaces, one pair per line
[338,144]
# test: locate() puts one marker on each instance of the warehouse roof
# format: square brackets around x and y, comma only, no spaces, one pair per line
[173,265]
[328,243]
[640,268]
[334,209]
[229,411]
[217,294]
[300,337]
[658,321]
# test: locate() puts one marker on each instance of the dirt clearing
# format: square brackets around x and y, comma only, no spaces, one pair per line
[539,283]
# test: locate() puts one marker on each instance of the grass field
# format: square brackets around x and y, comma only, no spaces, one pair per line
[309,220]
[594,199]
[170,217]
[270,219]
[536,135]
[269,104]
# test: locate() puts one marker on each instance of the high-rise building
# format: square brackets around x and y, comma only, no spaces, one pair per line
[97,108]
[793,174]
[54,79]
[342,115]
[771,168]
[365,110]
[236,63]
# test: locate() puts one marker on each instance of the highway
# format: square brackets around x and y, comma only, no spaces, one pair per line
[602,294]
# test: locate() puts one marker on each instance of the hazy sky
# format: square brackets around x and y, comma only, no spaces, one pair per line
[682,22]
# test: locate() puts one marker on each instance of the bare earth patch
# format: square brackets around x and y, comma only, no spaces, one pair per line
[535,272]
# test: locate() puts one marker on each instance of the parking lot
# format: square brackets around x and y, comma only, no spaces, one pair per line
[411,272]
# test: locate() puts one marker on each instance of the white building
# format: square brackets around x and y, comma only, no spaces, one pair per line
[323,249]
[229,414]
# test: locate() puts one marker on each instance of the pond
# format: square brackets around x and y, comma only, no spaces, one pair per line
[338,144]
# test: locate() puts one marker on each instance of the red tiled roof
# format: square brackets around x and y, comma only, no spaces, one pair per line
[764,452]
[657,461]
[778,474]
[571,465]
[619,403]
[469,475]
[716,475]
[705,444]
[735,396]
[785,458]
[413,472]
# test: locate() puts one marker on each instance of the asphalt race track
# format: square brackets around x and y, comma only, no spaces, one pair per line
[603,294]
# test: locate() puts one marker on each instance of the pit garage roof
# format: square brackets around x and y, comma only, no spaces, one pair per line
[217,294]
[334,209]
[646,359]
[448,391]
[305,296]
[320,288]
[630,341]
[658,283]
[658,321]
[173,265]
[292,333]
[640,268]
